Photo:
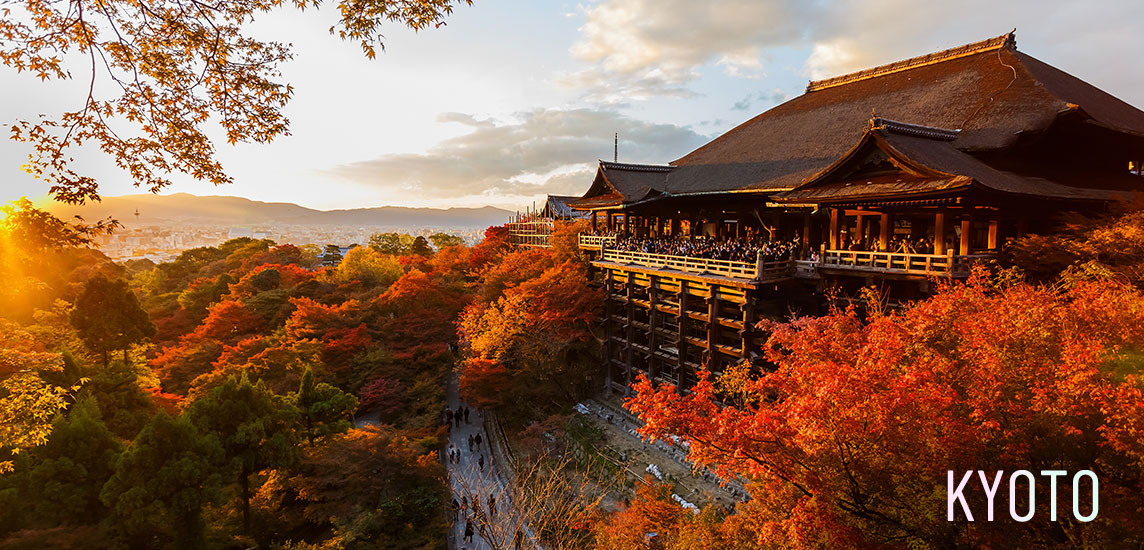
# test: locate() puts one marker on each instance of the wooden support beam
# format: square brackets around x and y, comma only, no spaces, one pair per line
[712,331]
[748,326]
[806,230]
[630,332]
[653,322]
[939,233]
[966,228]
[834,228]
[884,233]
[681,342]
[994,232]
[608,352]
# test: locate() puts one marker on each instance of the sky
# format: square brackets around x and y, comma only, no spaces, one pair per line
[511,100]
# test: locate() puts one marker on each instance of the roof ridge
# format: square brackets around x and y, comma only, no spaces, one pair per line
[916,130]
[637,167]
[1007,40]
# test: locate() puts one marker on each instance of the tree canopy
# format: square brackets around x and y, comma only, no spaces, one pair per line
[172,68]
[108,317]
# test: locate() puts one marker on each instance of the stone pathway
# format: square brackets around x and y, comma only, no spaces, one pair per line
[472,485]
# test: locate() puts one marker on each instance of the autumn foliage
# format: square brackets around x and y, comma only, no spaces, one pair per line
[848,438]
[528,333]
[207,433]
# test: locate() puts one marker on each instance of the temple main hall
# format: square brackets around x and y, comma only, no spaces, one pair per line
[891,177]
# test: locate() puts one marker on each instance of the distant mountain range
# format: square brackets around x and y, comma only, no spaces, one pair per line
[184,208]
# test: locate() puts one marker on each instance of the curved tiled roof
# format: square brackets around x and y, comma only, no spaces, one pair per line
[989,91]
[932,165]
[619,183]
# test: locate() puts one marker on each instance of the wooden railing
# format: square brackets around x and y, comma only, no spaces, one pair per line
[594,242]
[760,270]
[893,262]
[531,233]
[805,269]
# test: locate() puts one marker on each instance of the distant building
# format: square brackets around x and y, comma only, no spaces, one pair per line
[239,232]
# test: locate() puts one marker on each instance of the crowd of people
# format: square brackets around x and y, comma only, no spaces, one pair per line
[898,245]
[731,249]
[747,249]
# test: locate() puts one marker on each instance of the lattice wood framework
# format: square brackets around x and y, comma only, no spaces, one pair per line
[668,325]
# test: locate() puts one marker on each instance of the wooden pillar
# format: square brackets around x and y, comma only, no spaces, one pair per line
[630,327]
[884,233]
[594,216]
[675,228]
[681,341]
[739,227]
[860,234]
[627,224]
[939,233]
[806,230]
[966,227]
[748,326]
[994,229]
[608,347]
[653,324]
[834,229]
[611,221]
[712,330]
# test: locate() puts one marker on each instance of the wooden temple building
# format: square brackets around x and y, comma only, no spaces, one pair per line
[535,228]
[887,177]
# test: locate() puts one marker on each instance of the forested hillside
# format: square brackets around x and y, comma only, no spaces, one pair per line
[210,401]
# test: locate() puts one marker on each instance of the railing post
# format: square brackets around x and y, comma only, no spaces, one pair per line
[949,261]
[759,264]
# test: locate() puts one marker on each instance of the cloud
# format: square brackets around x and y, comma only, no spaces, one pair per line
[650,48]
[540,151]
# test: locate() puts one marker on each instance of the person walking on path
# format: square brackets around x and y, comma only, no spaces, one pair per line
[481,462]
[456,509]
[477,439]
[466,415]
[470,443]
[449,415]
[468,531]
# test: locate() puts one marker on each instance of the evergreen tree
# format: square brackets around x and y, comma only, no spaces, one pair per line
[255,427]
[162,481]
[324,409]
[420,247]
[75,463]
[108,317]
